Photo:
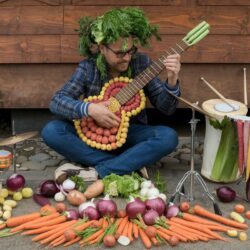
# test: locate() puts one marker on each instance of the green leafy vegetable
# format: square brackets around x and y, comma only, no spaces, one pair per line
[116,185]
[159,182]
[80,184]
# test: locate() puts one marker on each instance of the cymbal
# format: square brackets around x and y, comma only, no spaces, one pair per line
[17,138]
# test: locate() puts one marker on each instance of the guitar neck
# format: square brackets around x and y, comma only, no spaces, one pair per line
[126,93]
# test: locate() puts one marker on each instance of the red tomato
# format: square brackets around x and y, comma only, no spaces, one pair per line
[248,214]
[105,140]
[106,132]
[99,138]
[184,206]
[88,134]
[112,138]
[93,137]
[99,131]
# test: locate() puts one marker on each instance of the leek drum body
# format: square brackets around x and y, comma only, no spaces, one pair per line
[220,155]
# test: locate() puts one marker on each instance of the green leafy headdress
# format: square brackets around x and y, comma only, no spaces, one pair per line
[108,28]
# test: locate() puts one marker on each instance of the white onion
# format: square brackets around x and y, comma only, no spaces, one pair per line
[153,193]
[68,185]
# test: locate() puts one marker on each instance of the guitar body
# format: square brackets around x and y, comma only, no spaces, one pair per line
[109,139]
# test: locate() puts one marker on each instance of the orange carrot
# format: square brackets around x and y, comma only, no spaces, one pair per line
[135,231]
[205,213]
[47,209]
[54,221]
[163,235]
[39,230]
[192,230]
[197,227]
[18,220]
[145,239]
[130,231]
[51,232]
[125,230]
[171,233]
[105,224]
[84,225]
[183,233]
[72,241]
[194,218]
[38,220]
[93,236]
[122,225]
[58,241]
[96,240]
[155,241]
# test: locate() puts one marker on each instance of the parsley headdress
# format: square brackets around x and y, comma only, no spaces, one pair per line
[108,28]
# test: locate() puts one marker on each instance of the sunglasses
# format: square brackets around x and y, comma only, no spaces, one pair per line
[121,54]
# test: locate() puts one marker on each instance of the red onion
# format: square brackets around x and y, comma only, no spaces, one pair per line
[41,200]
[72,214]
[106,206]
[48,188]
[15,182]
[225,194]
[88,209]
[171,211]
[157,204]
[135,207]
[150,217]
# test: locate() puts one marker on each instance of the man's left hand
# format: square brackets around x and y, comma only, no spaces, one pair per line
[173,66]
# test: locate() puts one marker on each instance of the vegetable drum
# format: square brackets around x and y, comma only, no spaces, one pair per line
[220,154]
[5,159]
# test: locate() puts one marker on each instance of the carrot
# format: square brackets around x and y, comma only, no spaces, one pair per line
[105,224]
[130,231]
[135,231]
[97,239]
[38,220]
[188,229]
[93,236]
[194,218]
[18,220]
[163,235]
[49,233]
[205,213]
[155,241]
[94,189]
[180,231]
[72,241]
[58,241]
[54,221]
[172,233]
[145,239]
[198,227]
[2,226]
[39,230]
[47,209]
[125,229]
[122,225]
[81,227]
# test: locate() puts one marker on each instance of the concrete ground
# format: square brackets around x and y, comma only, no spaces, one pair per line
[172,172]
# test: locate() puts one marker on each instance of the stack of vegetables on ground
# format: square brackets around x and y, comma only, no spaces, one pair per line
[100,222]
[15,191]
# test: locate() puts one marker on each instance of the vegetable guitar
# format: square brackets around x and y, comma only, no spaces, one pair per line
[126,97]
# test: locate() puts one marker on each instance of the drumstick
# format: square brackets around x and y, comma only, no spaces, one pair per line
[245,87]
[218,93]
[192,105]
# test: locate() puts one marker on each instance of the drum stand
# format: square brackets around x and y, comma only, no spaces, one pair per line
[179,191]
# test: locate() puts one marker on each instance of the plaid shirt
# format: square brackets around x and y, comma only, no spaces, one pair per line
[86,81]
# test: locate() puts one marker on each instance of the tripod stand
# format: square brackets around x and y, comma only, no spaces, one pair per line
[193,174]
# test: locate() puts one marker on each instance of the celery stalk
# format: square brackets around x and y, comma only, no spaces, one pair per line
[225,165]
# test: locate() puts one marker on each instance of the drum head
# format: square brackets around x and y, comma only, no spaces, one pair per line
[225,108]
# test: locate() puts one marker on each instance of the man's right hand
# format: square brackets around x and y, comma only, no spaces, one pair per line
[102,115]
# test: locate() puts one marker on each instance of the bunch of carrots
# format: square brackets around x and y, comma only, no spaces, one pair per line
[50,227]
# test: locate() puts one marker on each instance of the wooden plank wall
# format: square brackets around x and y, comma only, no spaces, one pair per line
[39,45]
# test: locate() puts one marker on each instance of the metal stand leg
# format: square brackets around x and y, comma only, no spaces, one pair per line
[14,147]
[193,174]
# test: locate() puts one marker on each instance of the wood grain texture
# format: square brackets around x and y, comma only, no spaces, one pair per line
[23,20]
[174,20]
[223,2]
[29,2]
[32,86]
[130,2]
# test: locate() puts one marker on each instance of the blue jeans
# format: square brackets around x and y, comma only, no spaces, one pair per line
[145,145]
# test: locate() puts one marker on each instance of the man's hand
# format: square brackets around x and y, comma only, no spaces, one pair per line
[102,115]
[173,66]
